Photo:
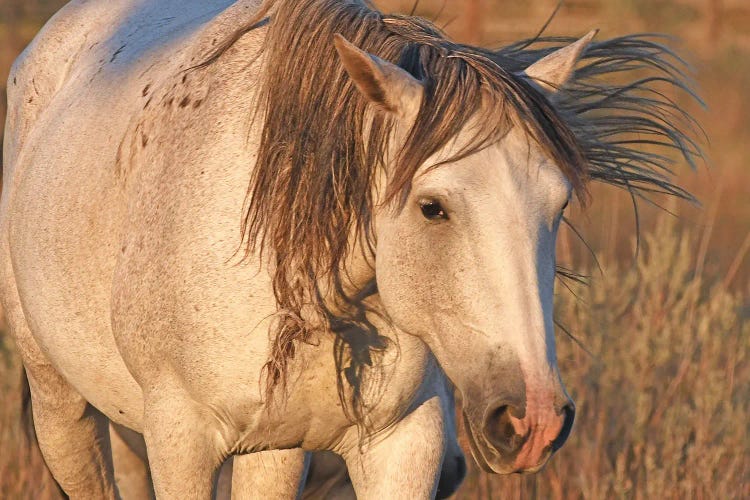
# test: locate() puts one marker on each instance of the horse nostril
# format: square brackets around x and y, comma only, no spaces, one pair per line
[570,412]
[501,432]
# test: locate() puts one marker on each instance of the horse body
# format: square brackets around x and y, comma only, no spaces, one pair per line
[84,189]
[78,209]
[129,153]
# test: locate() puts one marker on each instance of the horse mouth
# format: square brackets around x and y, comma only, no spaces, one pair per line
[478,454]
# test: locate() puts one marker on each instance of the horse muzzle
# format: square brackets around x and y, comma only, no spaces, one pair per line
[516,438]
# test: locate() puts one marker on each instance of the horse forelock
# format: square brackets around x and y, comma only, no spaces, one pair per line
[311,188]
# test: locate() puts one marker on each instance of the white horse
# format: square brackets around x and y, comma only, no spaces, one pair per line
[237,228]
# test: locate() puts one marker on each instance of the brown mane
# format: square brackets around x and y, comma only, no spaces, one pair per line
[311,187]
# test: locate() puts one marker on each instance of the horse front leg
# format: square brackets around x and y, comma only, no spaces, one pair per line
[275,474]
[405,461]
[184,449]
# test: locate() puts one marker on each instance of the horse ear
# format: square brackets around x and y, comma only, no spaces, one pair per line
[384,84]
[554,70]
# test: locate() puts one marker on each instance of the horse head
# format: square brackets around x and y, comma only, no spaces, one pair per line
[465,257]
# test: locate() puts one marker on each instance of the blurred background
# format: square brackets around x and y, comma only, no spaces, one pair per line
[654,350]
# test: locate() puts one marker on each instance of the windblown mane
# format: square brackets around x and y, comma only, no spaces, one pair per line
[311,190]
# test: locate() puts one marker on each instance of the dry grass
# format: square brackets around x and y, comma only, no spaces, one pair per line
[663,399]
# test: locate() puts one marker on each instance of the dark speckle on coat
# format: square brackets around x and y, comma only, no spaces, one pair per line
[117,52]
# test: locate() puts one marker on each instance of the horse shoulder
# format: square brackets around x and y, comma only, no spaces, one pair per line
[185,161]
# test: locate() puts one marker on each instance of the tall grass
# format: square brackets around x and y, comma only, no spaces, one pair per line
[662,396]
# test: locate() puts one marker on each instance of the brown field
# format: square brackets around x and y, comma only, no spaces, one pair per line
[660,370]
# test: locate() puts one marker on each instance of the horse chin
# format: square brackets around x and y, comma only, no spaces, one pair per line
[496,464]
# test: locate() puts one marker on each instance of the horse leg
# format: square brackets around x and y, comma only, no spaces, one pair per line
[269,474]
[72,435]
[132,474]
[131,464]
[406,462]
[184,452]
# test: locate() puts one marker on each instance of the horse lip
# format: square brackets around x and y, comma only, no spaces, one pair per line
[476,452]
[542,464]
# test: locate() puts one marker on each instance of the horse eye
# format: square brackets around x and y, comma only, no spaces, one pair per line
[567,202]
[432,210]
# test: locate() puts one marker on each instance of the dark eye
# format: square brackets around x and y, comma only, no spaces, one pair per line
[567,202]
[432,210]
